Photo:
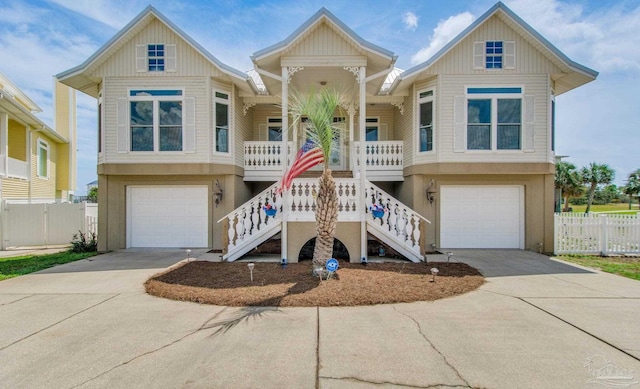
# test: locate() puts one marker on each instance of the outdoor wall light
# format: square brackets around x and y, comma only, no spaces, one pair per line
[217,193]
[431,193]
[434,273]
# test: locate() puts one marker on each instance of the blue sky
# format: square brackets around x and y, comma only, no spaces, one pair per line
[598,122]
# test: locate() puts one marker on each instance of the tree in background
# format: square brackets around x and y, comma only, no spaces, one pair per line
[569,181]
[593,175]
[633,186]
[92,196]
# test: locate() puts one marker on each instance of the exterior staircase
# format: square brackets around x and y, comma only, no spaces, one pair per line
[398,226]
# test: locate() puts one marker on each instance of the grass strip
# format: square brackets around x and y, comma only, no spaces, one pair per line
[18,266]
[622,266]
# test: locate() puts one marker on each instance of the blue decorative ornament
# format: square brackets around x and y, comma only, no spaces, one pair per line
[332,265]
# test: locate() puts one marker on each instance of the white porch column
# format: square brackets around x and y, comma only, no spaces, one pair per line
[351,110]
[363,112]
[285,163]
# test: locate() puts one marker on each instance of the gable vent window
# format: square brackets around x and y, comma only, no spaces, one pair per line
[156,58]
[494,55]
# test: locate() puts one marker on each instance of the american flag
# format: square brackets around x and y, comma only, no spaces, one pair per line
[308,156]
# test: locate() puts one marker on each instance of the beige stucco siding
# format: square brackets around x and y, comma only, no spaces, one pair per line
[529,59]
[194,87]
[123,62]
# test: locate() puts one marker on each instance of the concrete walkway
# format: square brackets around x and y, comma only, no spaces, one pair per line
[536,323]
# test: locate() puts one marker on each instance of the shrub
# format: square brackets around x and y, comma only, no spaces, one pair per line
[84,243]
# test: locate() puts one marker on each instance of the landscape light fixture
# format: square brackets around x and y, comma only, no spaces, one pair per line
[251,265]
[449,255]
[434,273]
[188,255]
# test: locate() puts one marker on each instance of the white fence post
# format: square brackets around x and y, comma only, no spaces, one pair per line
[604,240]
[596,234]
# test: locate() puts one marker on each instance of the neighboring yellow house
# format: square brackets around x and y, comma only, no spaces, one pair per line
[37,163]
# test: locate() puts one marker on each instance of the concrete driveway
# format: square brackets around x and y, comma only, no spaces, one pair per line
[536,323]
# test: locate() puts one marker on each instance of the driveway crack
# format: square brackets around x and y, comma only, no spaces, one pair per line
[434,347]
[58,322]
[202,327]
[360,380]
[15,301]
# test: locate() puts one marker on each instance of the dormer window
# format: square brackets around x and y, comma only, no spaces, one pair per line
[156,58]
[494,55]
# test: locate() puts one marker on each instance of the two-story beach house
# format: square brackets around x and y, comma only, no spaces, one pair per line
[37,162]
[459,150]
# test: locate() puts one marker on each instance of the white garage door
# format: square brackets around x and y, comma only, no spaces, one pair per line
[167,216]
[482,217]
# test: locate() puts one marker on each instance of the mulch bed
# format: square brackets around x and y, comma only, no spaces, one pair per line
[353,284]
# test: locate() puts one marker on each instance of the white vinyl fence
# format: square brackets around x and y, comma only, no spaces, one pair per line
[45,224]
[596,234]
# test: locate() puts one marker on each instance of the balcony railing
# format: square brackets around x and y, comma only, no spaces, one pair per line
[384,160]
[17,168]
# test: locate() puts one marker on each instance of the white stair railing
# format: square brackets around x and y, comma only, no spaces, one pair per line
[399,226]
[249,225]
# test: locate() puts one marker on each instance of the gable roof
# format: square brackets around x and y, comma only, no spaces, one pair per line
[143,18]
[323,14]
[586,73]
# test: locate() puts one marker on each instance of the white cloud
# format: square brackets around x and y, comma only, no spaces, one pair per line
[104,11]
[410,20]
[444,32]
[605,40]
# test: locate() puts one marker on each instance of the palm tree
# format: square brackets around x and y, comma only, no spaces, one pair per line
[319,110]
[593,175]
[568,180]
[633,186]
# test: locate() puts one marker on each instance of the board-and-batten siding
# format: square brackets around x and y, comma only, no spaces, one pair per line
[454,85]
[322,41]
[529,60]
[404,127]
[188,61]
[242,128]
[194,87]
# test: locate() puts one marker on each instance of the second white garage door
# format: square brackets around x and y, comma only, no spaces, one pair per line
[167,216]
[474,216]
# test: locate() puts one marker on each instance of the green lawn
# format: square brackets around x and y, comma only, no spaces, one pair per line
[613,208]
[622,266]
[17,266]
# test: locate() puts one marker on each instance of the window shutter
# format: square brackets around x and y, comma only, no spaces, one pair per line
[459,124]
[382,132]
[170,58]
[141,58]
[263,133]
[509,55]
[529,124]
[478,55]
[190,125]
[123,125]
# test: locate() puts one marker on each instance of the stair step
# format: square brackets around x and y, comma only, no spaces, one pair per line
[334,173]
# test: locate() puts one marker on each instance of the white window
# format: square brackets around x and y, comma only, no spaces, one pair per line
[43,158]
[494,55]
[372,129]
[425,120]
[156,57]
[156,120]
[221,120]
[274,129]
[494,118]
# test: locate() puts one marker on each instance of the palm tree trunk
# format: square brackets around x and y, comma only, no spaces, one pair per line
[326,219]
[592,192]
[566,204]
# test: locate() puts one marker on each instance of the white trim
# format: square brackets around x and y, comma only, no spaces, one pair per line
[41,143]
[230,120]
[419,101]
[494,116]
